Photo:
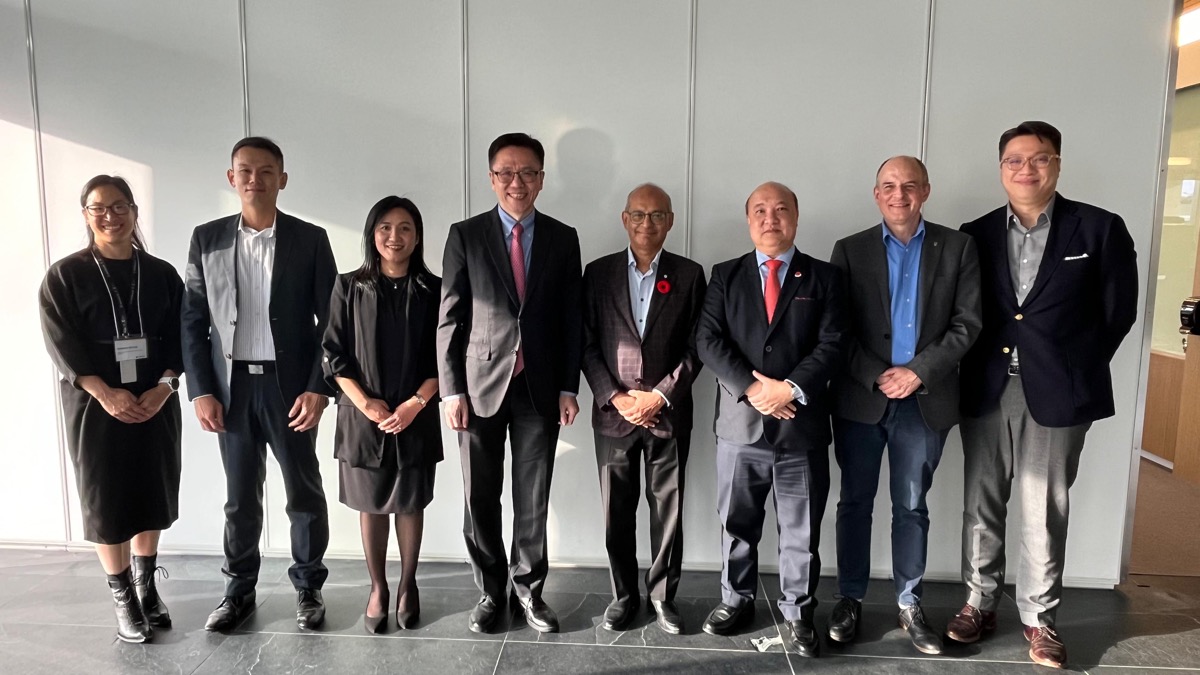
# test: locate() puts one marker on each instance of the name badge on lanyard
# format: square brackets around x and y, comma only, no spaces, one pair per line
[127,348]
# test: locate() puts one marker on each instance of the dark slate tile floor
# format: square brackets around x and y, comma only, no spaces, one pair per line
[55,617]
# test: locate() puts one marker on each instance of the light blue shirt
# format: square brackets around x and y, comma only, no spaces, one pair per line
[641,290]
[508,222]
[904,270]
[786,257]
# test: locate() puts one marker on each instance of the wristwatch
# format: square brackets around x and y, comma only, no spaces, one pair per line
[172,382]
[420,399]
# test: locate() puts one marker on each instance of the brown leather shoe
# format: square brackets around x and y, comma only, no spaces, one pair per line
[1044,646]
[970,624]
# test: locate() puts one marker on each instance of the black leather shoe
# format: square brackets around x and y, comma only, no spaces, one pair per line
[726,619]
[310,609]
[843,623]
[800,637]
[483,617]
[131,623]
[924,638]
[620,613]
[669,619]
[376,625]
[539,616]
[230,612]
[153,607]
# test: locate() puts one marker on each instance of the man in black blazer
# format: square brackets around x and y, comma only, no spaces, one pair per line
[774,331]
[256,301]
[1059,295]
[914,310]
[640,310]
[510,335]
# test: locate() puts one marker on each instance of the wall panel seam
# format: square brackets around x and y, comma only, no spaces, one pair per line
[245,68]
[928,81]
[466,116]
[689,179]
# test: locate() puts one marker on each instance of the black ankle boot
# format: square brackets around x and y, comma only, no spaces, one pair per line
[131,623]
[153,607]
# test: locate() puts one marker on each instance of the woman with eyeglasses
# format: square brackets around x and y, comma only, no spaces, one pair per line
[380,354]
[110,317]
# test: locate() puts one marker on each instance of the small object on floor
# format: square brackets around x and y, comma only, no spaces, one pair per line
[131,623]
[155,610]
[765,642]
[310,609]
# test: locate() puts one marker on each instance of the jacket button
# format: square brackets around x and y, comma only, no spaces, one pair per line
[637,380]
[887,336]
[768,349]
[1006,350]
[1019,317]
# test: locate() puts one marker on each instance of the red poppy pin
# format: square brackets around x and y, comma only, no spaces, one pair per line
[663,286]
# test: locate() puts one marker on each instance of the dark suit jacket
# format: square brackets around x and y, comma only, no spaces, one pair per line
[805,343]
[301,281]
[617,359]
[481,321]
[947,307]
[1082,304]
[352,345]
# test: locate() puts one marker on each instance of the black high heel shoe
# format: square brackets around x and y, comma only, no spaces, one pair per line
[408,608]
[376,625]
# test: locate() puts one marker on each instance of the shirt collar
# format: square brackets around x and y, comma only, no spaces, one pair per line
[887,234]
[786,257]
[267,233]
[508,221]
[1044,217]
[653,263]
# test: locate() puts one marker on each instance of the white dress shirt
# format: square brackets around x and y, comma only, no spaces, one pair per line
[252,339]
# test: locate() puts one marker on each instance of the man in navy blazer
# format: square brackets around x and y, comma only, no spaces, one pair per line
[774,331]
[256,301]
[640,310]
[1059,282]
[510,336]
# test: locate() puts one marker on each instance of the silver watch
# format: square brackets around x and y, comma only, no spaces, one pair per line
[172,382]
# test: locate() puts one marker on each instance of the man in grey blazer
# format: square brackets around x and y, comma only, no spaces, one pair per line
[640,310]
[915,310]
[256,301]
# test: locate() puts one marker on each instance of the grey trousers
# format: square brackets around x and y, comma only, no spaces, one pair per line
[999,447]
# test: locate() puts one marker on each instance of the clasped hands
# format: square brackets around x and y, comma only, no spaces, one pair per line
[123,405]
[639,407]
[771,397]
[898,382]
[390,421]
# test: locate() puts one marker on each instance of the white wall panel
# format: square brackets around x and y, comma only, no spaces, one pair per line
[1057,62]
[31,484]
[604,87]
[151,91]
[814,95]
[376,114]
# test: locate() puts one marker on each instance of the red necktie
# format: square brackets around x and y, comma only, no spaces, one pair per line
[771,289]
[516,255]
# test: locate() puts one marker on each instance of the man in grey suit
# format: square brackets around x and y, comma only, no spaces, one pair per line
[640,310]
[914,305]
[510,338]
[256,300]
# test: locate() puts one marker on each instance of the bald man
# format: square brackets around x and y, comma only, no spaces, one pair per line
[640,310]
[915,310]
[774,331]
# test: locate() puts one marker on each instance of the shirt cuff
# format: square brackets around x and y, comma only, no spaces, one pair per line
[572,394]
[664,397]
[451,397]
[798,393]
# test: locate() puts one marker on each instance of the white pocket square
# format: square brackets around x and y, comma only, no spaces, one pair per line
[1076,257]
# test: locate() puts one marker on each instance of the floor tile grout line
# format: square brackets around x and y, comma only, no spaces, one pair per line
[778,631]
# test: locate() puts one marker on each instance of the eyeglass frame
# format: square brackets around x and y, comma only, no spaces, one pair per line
[127,206]
[656,217]
[1008,161]
[533,175]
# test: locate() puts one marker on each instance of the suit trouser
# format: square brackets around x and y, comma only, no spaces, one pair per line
[799,481]
[914,451]
[257,417]
[619,462]
[534,441]
[998,447]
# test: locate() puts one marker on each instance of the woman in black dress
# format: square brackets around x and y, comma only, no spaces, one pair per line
[110,316]
[380,349]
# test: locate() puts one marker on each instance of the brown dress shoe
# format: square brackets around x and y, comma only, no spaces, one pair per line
[970,624]
[1044,646]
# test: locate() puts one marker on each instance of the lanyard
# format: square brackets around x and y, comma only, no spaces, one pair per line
[119,304]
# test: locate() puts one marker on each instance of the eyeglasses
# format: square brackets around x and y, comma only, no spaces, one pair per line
[1037,161]
[656,217]
[117,209]
[526,175]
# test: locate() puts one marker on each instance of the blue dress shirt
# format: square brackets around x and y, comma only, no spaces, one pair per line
[904,269]
[508,222]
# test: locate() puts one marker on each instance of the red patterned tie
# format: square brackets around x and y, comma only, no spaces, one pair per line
[771,289]
[516,255]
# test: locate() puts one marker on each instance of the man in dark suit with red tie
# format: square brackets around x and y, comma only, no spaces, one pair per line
[640,309]
[510,338]
[774,331]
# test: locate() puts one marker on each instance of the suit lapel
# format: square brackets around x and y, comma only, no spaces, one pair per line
[499,256]
[666,270]
[792,279]
[619,280]
[543,234]
[877,250]
[931,255]
[1062,230]
[995,236]
[224,255]
[283,249]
